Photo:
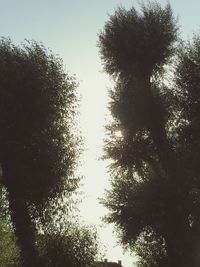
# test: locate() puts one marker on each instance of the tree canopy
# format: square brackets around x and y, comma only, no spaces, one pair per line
[138,42]
[38,102]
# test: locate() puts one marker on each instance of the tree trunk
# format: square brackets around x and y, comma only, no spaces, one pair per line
[23,227]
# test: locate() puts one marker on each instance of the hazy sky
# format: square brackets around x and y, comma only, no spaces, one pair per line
[70,28]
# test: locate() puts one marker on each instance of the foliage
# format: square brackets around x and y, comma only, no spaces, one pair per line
[76,246]
[153,140]
[10,255]
[151,250]
[61,239]
[38,105]
[137,41]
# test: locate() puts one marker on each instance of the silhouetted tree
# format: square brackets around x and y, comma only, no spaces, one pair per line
[76,245]
[37,140]
[153,138]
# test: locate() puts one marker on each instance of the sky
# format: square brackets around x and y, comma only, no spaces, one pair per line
[70,29]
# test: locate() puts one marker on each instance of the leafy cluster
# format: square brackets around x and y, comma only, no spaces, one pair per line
[137,42]
[77,246]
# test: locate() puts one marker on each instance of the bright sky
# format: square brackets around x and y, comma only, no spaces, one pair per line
[70,28]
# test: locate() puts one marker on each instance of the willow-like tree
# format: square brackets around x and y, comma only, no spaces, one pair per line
[153,138]
[37,137]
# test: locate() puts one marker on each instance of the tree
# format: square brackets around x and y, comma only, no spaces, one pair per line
[75,246]
[154,135]
[37,137]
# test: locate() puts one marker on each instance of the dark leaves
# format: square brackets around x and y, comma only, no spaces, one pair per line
[137,42]
[37,103]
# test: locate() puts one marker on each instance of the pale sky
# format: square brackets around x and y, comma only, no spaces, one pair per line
[70,28]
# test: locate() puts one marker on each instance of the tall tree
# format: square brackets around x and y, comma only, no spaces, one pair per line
[37,137]
[151,187]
